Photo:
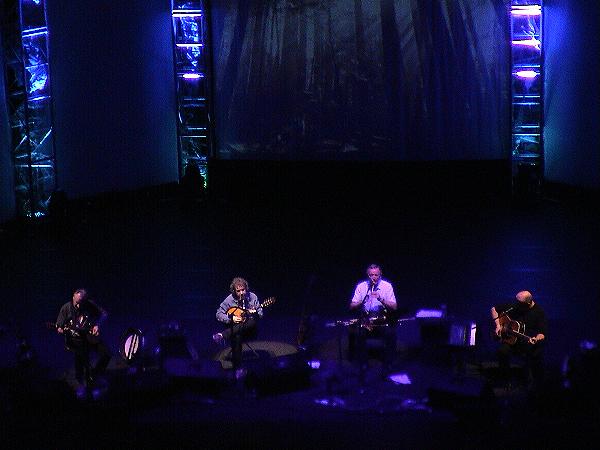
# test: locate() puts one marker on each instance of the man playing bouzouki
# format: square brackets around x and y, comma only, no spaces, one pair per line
[522,327]
[240,311]
[79,320]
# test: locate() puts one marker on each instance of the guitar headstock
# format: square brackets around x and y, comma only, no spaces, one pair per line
[268,302]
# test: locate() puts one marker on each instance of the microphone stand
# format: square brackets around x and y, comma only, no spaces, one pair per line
[234,337]
[363,357]
[503,313]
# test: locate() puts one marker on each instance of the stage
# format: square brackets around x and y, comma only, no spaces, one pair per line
[160,263]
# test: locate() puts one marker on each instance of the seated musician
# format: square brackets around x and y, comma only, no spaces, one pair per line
[239,311]
[79,321]
[375,301]
[506,318]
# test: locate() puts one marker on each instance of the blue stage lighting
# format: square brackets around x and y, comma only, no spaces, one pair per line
[29,106]
[189,37]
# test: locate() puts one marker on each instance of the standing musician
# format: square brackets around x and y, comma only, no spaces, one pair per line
[79,320]
[375,300]
[506,318]
[240,311]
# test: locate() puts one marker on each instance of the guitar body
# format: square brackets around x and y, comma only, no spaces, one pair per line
[77,332]
[238,312]
[244,313]
[511,330]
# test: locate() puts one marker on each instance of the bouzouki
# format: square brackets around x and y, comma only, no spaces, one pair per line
[244,313]
[76,331]
[512,330]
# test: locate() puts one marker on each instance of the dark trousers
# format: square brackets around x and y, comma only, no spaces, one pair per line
[237,334]
[534,359]
[357,343]
[82,351]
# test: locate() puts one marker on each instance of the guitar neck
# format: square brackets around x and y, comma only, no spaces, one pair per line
[267,302]
[520,334]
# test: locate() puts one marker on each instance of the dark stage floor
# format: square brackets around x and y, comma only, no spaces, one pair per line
[155,261]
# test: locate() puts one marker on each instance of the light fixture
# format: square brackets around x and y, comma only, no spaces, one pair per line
[400,378]
[526,10]
[526,73]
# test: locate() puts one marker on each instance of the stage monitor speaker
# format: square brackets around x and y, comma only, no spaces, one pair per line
[278,375]
[273,367]
[467,398]
[201,375]
[457,333]
[256,350]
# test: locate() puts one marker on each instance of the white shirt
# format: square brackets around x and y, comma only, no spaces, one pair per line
[372,305]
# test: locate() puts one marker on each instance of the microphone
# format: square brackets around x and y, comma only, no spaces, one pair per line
[504,313]
[369,289]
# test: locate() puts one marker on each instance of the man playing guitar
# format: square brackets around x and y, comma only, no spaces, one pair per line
[79,321]
[522,327]
[240,311]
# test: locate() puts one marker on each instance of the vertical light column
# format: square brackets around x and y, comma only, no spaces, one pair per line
[28,94]
[192,84]
[527,88]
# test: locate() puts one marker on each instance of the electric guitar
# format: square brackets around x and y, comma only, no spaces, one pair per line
[244,313]
[512,330]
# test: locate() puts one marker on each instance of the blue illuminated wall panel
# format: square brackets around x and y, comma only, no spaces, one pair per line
[113,84]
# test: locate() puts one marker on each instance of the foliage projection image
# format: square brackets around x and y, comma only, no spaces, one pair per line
[361,80]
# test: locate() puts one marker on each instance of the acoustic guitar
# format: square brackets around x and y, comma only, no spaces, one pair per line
[244,313]
[512,330]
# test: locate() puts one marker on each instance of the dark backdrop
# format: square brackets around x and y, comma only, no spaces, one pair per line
[572,98]
[7,195]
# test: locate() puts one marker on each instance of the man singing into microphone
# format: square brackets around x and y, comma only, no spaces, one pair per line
[239,311]
[375,300]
